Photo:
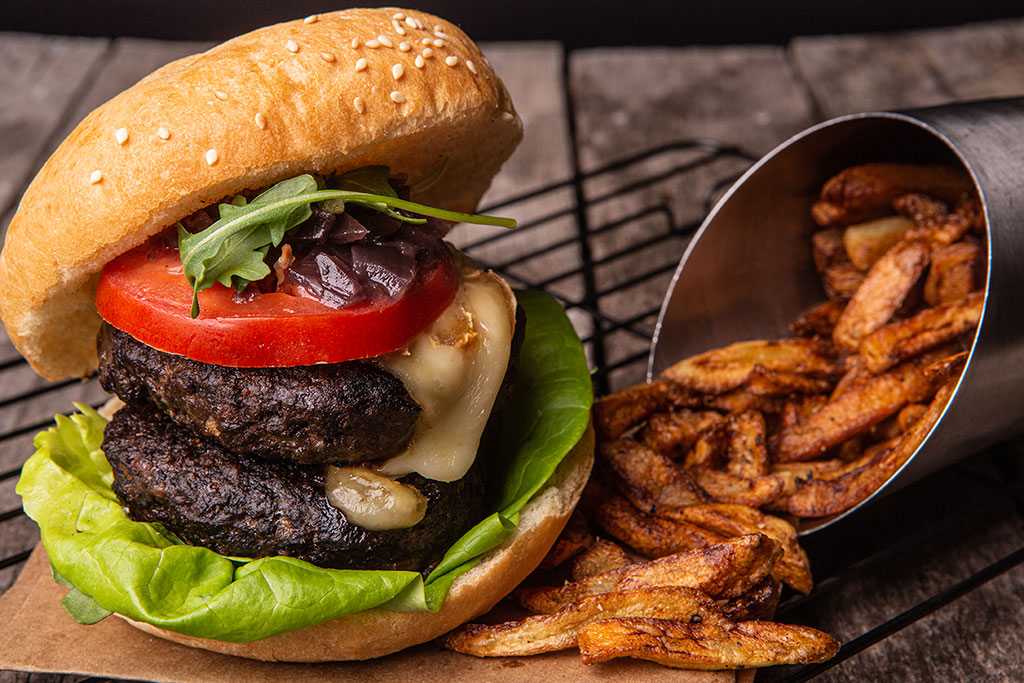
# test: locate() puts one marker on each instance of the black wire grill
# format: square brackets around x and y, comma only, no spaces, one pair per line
[585,234]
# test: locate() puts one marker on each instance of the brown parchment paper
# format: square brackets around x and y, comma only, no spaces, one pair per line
[41,637]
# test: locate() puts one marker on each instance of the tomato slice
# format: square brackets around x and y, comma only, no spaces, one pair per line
[144,292]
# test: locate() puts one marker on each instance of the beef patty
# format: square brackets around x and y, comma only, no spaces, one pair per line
[351,412]
[253,507]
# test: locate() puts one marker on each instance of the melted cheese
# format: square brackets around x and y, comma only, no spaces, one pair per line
[454,370]
[372,501]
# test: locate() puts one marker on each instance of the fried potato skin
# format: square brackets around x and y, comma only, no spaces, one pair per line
[956,271]
[617,413]
[702,645]
[674,433]
[648,479]
[551,632]
[603,556]
[725,570]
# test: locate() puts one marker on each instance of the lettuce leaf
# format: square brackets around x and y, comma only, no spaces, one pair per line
[113,564]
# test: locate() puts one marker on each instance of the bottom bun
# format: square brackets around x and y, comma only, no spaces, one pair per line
[377,632]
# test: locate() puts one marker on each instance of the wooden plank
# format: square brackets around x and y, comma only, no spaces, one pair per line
[978,60]
[633,100]
[41,79]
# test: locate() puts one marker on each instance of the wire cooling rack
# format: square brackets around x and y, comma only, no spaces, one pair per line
[605,243]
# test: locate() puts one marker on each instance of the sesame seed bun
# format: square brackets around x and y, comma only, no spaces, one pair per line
[378,632]
[269,105]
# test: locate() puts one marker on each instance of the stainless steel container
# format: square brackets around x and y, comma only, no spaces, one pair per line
[748,272]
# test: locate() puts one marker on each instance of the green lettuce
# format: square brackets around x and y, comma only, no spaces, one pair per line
[112,564]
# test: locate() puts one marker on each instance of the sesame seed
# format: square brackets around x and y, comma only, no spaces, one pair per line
[261,120]
[425,41]
[211,157]
[405,46]
[398,16]
[410,22]
[385,41]
[451,60]
[397,71]
[163,133]
[438,27]
[420,63]
[220,94]
[354,43]
[438,42]
[311,19]
[440,34]
[427,53]
[359,104]
[292,46]
[121,135]
[372,43]
[96,177]
[327,56]
[471,66]
[360,64]
[397,97]
[399,29]
[419,24]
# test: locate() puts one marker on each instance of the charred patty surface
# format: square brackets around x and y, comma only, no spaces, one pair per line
[254,507]
[350,412]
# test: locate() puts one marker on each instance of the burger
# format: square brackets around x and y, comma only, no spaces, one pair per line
[333,435]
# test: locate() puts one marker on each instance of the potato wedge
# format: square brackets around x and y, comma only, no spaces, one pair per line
[882,293]
[820,320]
[865,243]
[704,645]
[673,433]
[746,445]
[757,603]
[649,536]
[550,632]
[725,570]
[818,498]
[617,413]
[956,271]
[603,556]
[648,479]
[869,401]
[868,190]
[730,488]
[927,330]
[793,568]
[721,370]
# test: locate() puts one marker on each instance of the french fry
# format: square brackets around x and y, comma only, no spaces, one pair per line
[757,603]
[550,632]
[841,281]
[649,536]
[603,556]
[648,479]
[819,498]
[820,320]
[746,445]
[574,539]
[852,412]
[933,220]
[970,208]
[927,330]
[866,242]
[956,271]
[725,570]
[798,408]
[703,645]
[909,415]
[885,287]
[617,413]
[867,191]
[673,433]
[721,370]
[724,487]
[779,383]
[920,207]
[793,568]
[741,399]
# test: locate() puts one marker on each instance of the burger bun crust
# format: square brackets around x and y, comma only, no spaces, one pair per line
[322,96]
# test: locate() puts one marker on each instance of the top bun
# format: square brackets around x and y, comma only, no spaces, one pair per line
[284,100]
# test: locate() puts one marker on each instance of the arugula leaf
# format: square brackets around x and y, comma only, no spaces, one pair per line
[231,251]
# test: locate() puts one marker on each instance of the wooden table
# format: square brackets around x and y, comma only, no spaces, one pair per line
[582,112]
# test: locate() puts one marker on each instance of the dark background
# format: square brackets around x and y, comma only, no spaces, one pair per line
[576,24]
